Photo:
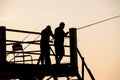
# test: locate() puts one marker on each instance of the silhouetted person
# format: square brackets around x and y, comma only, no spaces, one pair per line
[59,42]
[44,45]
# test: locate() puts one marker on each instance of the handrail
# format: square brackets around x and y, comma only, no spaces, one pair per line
[33,53]
[12,52]
[84,64]
[25,47]
[25,52]
[27,42]
[22,31]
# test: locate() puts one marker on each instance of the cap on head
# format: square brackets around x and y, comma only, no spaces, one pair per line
[48,27]
[62,23]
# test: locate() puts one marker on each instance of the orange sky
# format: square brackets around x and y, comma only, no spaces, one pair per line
[99,44]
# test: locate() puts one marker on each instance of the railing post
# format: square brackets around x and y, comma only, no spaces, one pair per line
[83,68]
[73,46]
[2,45]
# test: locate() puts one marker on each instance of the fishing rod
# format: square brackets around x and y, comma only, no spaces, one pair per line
[30,34]
[98,22]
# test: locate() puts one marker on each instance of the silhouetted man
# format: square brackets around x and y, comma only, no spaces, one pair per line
[59,42]
[44,45]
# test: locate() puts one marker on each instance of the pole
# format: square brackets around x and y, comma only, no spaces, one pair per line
[83,68]
[2,45]
[73,46]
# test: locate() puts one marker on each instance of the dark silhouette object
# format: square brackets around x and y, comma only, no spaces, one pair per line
[44,45]
[17,47]
[59,42]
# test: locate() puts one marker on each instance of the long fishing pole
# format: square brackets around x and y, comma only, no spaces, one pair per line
[33,40]
[98,22]
[30,33]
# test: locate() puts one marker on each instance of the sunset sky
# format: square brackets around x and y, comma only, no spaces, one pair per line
[99,44]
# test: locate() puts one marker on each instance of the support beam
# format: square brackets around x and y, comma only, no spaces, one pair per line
[2,45]
[73,46]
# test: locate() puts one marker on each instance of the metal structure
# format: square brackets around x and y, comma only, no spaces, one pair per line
[19,69]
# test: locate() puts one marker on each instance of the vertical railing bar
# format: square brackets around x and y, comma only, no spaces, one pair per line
[83,68]
[2,45]
[88,70]
[90,73]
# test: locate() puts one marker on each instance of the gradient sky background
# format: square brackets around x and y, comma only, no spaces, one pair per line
[99,44]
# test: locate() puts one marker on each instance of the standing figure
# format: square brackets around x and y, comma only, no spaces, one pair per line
[44,46]
[59,42]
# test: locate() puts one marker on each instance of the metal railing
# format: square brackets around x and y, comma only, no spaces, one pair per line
[30,53]
[86,67]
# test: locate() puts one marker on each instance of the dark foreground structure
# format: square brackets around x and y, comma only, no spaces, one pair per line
[19,69]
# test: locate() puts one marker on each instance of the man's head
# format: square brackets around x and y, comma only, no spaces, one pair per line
[48,27]
[62,25]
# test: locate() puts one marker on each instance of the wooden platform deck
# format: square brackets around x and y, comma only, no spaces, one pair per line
[14,71]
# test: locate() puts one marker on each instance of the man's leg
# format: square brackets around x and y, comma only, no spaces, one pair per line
[60,58]
[41,58]
[47,60]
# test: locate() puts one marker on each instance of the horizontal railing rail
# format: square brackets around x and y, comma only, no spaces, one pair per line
[23,31]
